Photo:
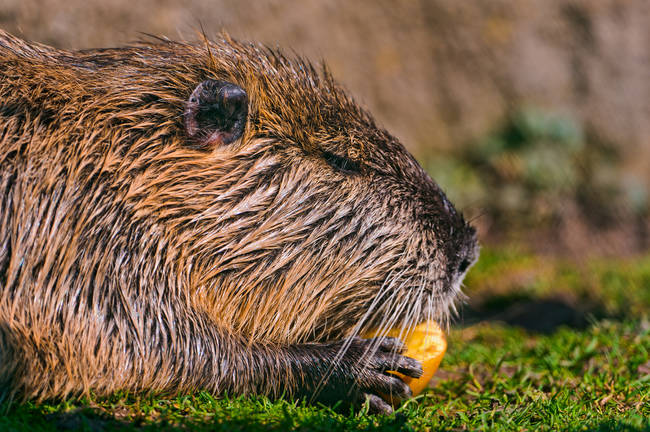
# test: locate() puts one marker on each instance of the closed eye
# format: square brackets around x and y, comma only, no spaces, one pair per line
[342,164]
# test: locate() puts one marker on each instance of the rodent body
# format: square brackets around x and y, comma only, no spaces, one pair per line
[212,216]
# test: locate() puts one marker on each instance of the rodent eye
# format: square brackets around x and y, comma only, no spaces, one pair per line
[342,164]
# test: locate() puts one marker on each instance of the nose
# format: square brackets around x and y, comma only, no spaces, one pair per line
[467,252]
[464,265]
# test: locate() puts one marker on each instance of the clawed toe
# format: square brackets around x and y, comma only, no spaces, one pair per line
[391,344]
[391,386]
[377,405]
[398,363]
[408,366]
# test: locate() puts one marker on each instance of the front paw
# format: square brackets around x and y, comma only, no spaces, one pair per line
[359,373]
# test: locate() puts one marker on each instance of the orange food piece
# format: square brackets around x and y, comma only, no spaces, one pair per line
[425,343]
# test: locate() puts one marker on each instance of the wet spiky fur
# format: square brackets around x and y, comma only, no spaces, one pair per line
[129,259]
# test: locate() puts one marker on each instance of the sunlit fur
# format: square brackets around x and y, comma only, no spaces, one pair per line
[132,260]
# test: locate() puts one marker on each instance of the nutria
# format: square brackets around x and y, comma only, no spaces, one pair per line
[216,216]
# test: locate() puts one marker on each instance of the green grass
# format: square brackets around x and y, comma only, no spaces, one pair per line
[593,374]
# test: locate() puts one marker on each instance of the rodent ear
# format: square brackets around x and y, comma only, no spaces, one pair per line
[216,113]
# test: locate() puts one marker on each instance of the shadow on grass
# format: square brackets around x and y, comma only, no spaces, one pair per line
[642,425]
[534,315]
[24,418]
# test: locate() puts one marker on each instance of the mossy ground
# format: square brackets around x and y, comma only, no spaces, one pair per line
[547,344]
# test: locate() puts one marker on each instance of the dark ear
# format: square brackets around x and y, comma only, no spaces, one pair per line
[215,113]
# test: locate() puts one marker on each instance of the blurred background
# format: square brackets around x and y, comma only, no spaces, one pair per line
[533,116]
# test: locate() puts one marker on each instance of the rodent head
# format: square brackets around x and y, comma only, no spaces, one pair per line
[283,208]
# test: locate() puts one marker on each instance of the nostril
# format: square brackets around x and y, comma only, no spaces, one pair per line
[463,266]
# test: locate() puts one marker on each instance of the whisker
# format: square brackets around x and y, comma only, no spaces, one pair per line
[482,213]
[390,322]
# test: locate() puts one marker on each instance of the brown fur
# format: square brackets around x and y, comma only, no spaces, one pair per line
[131,259]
